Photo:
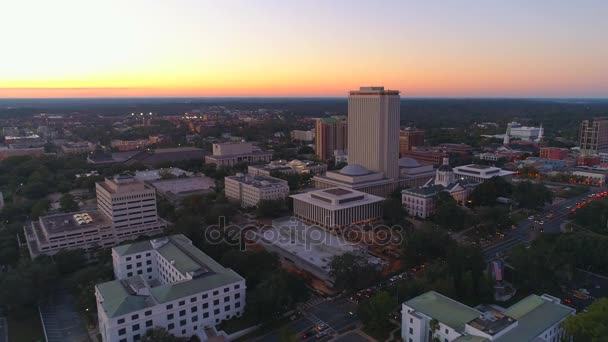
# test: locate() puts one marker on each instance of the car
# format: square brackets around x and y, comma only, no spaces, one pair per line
[308,334]
[585,291]
[322,327]
[321,335]
[531,218]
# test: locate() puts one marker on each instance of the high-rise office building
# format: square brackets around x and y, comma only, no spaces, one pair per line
[410,137]
[593,136]
[331,134]
[373,125]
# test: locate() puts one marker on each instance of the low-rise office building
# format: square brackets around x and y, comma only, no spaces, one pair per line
[433,316]
[126,211]
[480,173]
[78,147]
[231,153]
[336,208]
[288,168]
[249,190]
[168,283]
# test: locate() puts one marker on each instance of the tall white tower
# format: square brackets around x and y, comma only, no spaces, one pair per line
[373,129]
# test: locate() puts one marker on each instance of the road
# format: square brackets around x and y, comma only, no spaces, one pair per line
[553,216]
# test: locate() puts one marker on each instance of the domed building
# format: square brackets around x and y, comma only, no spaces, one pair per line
[420,202]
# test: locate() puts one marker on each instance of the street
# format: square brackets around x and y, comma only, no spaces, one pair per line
[553,216]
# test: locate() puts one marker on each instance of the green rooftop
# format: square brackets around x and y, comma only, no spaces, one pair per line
[443,309]
[207,274]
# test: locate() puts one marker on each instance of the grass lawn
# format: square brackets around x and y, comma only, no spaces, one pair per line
[25,329]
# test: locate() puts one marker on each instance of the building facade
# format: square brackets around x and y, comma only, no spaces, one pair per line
[410,137]
[331,134]
[168,283]
[480,173]
[336,208]
[373,124]
[303,136]
[232,153]
[126,210]
[593,137]
[554,153]
[249,190]
[432,316]
[287,167]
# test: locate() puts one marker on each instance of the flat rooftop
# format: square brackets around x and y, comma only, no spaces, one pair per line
[260,181]
[492,322]
[444,309]
[183,185]
[66,222]
[337,198]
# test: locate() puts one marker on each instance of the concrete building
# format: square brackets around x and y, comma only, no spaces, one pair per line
[129,145]
[156,174]
[29,140]
[554,153]
[126,210]
[410,137]
[287,168]
[413,173]
[168,283]
[593,137]
[421,202]
[176,189]
[78,147]
[309,248]
[337,208]
[518,131]
[591,177]
[249,190]
[6,152]
[331,134]
[480,173]
[373,125]
[303,136]
[534,318]
[231,153]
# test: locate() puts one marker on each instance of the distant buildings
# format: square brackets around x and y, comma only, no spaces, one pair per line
[287,168]
[337,208]
[410,137]
[168,283]
[152,158]
[126,210]
[518,131]
[331,134]
[554,153]
[593,140]
[480,173]
[27,141]
[432,316]
[249,190]
[303,136]
[77,147]
[6,152]
[129,145]
[176,189]
[231,153]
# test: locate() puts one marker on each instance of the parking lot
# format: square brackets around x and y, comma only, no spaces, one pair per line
[61,321]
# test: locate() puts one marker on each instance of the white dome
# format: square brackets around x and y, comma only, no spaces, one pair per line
[354,170]
[408,162]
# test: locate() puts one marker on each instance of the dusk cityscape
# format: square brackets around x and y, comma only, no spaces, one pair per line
[270,171]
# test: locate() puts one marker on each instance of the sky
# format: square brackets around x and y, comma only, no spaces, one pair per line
[426,48]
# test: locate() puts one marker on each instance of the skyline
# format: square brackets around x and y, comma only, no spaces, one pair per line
[193,48]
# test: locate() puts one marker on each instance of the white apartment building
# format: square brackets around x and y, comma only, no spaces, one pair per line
[480,173]
[231,153]
[249,190]
[126,210]
[433,316]
[335,208]
[301,135]
[168,283]
[517,130]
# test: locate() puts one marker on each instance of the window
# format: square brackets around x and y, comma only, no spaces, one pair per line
[148,262]
[237,286]
[226,289]
[216,302]
[120,321]
[205,305]
[193,299]
[138,264]
[182,313]
[149,323]
[194,318]
[182,322]
[136,337]
[205,296]
[182,302]
[216,311]
[411,320]
[237,296]
[136,316]
[148,313]
[130,274]
[237,305]
[170,306]
[128,258]
[170,316]
[148,254]
[226,299]
[411,331]
[149,270]
[135,327]
[227,308]
[205,315]
[138,256]
[446,331]
[122,331]
[170,326]
[193,309]
[129,266]
[215,293]
[139,272]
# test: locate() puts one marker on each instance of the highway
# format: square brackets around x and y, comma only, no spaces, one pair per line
[553,216]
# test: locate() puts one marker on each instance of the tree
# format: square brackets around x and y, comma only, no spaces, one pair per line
[161,335]
[393,211]
[68,204]
[352,272]
[448,214]
[487,192]
[589,326]
[40,208]
[276,294]
[425,244]
[68,261]
[532,196]
[374,313]
[271,208]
